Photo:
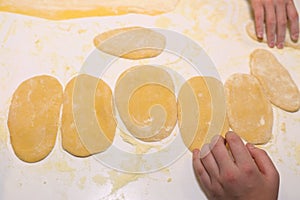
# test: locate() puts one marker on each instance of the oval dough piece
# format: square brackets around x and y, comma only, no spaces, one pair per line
[34,116]
[131,43]
[276,81]
[249,111]
[201,111]
[146,102]
[250,29]
[88,123]
[68,9]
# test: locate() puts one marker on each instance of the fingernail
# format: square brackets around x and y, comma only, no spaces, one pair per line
[251,146]
[295,36]
[280,45]
[204,151]
[260,35]
[215,139]
[272,44]
[195,153]
[230,133]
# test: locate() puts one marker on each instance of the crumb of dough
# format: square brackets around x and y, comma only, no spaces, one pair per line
[276,81]
[249,111]
[34,116]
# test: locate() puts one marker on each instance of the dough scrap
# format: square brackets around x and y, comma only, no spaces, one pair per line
[201,111]
[88,123]
[250,29]
[145,100]
[68,9]
[131,43]
[249,111]
[34,116]
[276,81]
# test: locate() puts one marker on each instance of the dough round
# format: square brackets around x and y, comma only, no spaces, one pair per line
[201,111]
[145,99]
[34,116]
[131,43]
[249,111]
[276,81]
[88,123]
[250,29]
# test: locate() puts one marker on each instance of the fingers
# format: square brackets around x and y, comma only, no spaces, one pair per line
[199,169]
[275,14]
[262,160]
[281,23]
[209,163]
[270,23]
[221,155]
[258,18]
[293,17]
[238,150]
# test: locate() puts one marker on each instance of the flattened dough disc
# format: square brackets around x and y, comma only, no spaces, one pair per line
[33,117]
[201,111]
[276,81]
[144,97]
[131,42]
[68,9]
[250,29]
[88,123]
[249,111]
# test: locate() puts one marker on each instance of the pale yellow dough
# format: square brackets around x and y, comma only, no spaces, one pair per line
[88,123]
[34,116]
[146,103]
[131,43]
[250,29]
[201,111]
[276,81]
[67,9]
[249,111]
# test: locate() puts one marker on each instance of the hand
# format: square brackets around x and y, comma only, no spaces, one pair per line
[242,172]
[276,14]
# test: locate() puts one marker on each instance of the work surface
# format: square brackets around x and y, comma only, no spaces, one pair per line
[32,46]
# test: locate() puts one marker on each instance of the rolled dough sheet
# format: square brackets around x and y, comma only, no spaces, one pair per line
[131,43]
[88,123]
[145,99]
[250,29]
[34,116]
[201,111]
[249,111]
[67,9]
[276,81]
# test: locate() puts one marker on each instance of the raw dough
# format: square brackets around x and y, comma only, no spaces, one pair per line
[288,42]
[34,116]
[145,99]
[67,9]
[131,42]
[88,123]
[249,111]
[201,111]
[275,80]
